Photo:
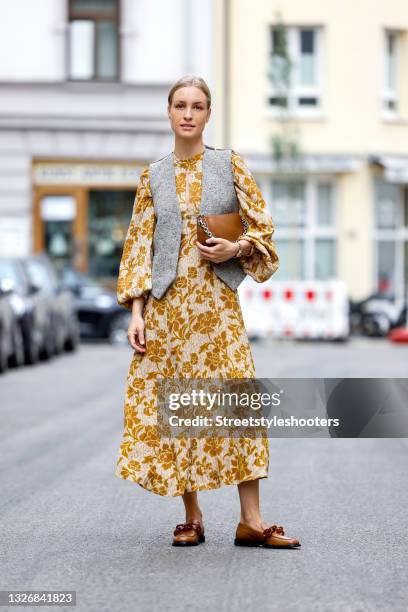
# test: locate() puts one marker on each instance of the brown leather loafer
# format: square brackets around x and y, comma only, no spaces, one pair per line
[272,537]
[188,534]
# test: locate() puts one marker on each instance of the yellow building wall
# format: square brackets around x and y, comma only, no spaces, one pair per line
[352,73]
[355,230]
[351,122]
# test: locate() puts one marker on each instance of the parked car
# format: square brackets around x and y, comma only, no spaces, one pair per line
[8,329]
[30,313]
[63,331]
[99,314]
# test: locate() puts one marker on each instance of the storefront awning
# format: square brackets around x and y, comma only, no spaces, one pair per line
[395,167]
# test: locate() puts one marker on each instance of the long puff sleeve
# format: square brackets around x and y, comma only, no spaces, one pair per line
[135,270]
[263,260]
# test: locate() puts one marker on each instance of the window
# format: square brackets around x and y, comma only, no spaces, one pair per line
[391,238]
[390,91]
[58,213]
[306,235]
[109,214]
[93,40]
[295,69]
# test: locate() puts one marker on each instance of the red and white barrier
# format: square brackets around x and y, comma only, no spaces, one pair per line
[295,309]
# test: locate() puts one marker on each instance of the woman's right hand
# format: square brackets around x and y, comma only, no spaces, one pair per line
[136,333]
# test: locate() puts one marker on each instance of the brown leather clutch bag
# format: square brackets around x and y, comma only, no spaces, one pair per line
[228,225]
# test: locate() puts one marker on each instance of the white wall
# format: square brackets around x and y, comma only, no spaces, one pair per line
[161,40]
[152,40]
[32,40]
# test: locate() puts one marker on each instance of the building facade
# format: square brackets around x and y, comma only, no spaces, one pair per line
[331,77]
[83,97]
[83,94]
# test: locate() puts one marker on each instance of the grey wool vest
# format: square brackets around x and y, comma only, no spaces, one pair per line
[217,196]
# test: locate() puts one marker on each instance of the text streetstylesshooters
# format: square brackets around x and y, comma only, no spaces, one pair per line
[224,421]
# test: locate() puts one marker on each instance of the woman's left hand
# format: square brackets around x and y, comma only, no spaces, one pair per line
[221,251]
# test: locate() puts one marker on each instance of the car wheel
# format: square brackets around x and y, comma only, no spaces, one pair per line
[3,358]
[17,358]
[58,343]
[380,326]
[48,349]
[118,329]
[32,349]
[341,339]
[73,339]
[384,325]
[377,326]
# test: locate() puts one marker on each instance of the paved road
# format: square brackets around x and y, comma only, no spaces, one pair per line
[358,358]
[68,523]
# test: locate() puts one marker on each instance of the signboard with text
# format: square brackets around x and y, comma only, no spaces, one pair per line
[58,173]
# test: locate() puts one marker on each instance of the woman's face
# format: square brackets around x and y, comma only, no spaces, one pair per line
[188,112]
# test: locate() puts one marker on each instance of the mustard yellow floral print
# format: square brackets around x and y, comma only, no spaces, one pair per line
[134,279]
[195,330]
[263,260]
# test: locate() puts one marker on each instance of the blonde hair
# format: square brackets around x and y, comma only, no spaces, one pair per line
[191,81]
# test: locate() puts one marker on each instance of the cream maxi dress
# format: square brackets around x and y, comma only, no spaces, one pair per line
[195,330]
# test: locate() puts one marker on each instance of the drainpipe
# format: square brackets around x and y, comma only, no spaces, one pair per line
[188,47]
[227,73]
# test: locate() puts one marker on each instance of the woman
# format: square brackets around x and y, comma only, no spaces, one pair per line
[186,321]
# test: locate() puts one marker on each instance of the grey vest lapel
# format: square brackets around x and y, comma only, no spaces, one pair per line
[167,233]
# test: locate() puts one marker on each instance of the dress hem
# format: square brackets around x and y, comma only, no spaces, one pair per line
[205,487]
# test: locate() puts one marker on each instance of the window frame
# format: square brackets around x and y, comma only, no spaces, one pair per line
[297,91]
[397,235]
[95,17]
[389,95]
[310,232]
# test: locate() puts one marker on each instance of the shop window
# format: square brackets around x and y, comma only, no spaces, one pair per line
[109,215]
[391,239]
[57,214]
[386,267]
